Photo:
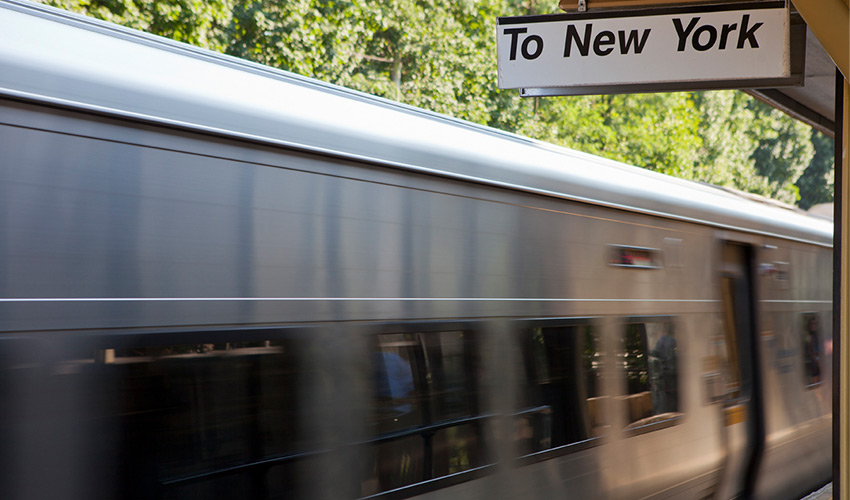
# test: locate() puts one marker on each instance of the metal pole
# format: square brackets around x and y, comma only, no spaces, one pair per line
[836,290]
[841,306]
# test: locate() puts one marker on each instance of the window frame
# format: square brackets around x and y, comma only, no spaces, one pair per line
[477,330]
[97,343]
[520,326]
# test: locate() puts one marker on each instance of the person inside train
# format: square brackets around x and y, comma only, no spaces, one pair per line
[394,380]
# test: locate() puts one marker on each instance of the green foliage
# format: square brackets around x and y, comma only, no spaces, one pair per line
[431,53]
[198,22]
[654,131]
[818,180]
[440,55]
[753,147]
[784,150]
[725,155]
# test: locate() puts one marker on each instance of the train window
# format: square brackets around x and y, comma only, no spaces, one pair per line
[426,418]
[811,348]
[211,420]
[561,402]
[650,359]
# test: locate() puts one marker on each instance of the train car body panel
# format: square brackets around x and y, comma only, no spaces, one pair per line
[188,237]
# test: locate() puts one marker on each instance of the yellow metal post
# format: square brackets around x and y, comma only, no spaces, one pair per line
[829,20]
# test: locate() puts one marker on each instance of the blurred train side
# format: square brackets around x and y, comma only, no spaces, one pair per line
[156,196]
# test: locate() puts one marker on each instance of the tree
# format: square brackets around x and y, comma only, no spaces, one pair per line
[751,146]
[818,180]
[654,131]
[198,22]
[784,150]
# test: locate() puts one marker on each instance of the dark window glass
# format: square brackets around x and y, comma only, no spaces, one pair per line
[651,365]
[561,403]
[205,420]
[730,330]
[426,412]
[812,357]
[591,358]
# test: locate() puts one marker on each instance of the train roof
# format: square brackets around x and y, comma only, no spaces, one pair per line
[52,56]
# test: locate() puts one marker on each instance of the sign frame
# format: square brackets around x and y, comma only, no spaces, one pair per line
[795,48]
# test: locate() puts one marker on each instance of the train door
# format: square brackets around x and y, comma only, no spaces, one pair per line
[743,427]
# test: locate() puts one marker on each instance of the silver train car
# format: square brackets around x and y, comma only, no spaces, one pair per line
[219,280]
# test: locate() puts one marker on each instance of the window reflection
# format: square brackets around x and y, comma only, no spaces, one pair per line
[651,365]
[812,358]
[205,420]
[561,403]
[399,402]
[426,418]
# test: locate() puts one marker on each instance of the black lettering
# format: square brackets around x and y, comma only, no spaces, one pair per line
[514,33]
[712,37]
[724,33]
[583,45]
[604,38]
[748,35]
[538,49]
[683,33]
[626,42]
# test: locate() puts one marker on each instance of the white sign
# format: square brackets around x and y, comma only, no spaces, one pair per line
[720,43]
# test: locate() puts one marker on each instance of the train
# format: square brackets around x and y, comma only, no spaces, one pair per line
[221,280]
